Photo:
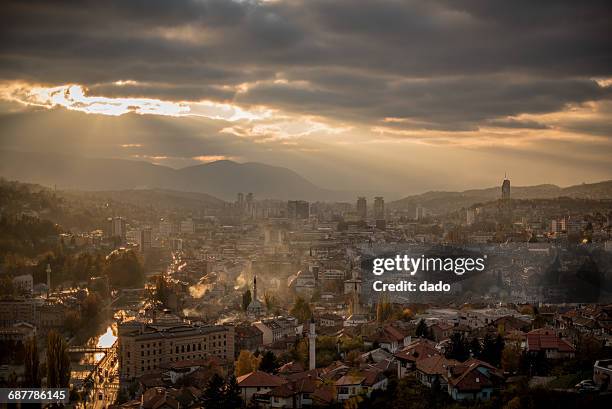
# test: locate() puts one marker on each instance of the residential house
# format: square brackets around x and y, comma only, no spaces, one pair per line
[360,382]
[547,340]
[408,356]
[473,380]
[257,382]
[432,369]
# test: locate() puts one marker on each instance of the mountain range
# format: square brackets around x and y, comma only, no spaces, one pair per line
[222,179]
[439,202]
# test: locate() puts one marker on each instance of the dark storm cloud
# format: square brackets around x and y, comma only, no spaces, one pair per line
[435,102]
[445,64]
[517,124]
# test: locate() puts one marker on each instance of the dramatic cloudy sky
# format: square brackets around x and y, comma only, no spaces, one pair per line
[400,96]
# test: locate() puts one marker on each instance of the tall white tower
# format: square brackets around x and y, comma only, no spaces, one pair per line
[312,340]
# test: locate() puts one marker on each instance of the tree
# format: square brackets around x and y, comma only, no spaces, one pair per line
[458,348]
[231,394]
[268,362]
[475,347]
[270,301]
[492,349]
[246,299]
[407,314]
[213,394]
[90,308]
[383,310]
[511,358]
[301,310]
[124,269]
[32,364]
[246,363]
[72,323]
[422,330]
[58,361]
[162,290]
[499,349]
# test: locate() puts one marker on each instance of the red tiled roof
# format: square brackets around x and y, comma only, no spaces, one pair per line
[416,351]
[323,394]
[283,391]
[394,333]
[471,380]
[546,338]
[259,379]
[435,365]
[367,377]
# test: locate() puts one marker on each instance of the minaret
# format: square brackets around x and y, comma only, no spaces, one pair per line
[356,290]
[312,340]
[48,270]
[254,287]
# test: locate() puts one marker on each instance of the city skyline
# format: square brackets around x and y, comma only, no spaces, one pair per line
[434,96]
[211,204]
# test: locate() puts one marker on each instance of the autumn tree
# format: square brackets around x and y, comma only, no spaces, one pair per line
[58,361]
[301,310]
[384,310]
[246,363]
[124,269]
[511,358]
[32,364]
[270,301]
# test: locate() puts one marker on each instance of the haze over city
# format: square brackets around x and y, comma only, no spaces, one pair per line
[400,97]
[339,204]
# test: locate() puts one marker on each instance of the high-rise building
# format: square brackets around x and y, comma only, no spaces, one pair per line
[166,228]
[505,189]
[145,239]
[298,209]
[362,208]
[470,216]
[379,208]
[116,227]
[249,207]
[420,212]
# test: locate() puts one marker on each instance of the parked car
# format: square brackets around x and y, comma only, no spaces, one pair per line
[586,385]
